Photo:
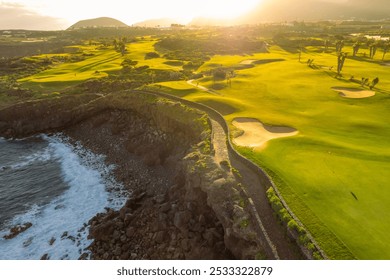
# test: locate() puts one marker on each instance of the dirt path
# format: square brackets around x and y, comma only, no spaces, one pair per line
[257,192]
[220,147]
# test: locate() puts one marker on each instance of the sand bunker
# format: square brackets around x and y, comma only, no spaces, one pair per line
[353,92]
[247,62]
[257,134]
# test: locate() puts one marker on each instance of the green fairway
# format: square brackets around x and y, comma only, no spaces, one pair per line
[138,50]
[96,65]
[335,173]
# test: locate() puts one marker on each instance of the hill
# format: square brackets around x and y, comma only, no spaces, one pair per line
[97,22]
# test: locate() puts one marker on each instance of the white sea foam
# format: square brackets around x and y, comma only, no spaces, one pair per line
[64,219]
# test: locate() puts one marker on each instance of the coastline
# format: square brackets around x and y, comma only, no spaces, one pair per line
[186,203]
[147,227]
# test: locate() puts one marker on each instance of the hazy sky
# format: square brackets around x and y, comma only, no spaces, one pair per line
[60,14]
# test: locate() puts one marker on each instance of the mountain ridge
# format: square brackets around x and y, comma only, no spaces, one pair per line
[98,22]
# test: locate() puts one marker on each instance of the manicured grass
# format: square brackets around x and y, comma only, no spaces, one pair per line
[63,75]
[334,173]
[98,64]
[138,50]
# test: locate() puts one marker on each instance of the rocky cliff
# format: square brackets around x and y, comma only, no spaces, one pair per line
[183,205]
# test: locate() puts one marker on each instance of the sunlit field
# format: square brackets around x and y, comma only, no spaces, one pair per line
[334,174]
[97,63]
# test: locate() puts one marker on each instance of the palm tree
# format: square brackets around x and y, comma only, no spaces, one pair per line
[356,48]
[374,82]
[386,48]
[373,48]
[340,62]
[339,46]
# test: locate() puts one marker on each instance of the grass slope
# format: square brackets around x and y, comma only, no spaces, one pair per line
[334,174]
[97,64]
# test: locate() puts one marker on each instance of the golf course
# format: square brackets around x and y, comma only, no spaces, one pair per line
[322,137]
[334,171]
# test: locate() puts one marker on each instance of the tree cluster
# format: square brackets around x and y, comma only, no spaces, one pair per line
[120,45]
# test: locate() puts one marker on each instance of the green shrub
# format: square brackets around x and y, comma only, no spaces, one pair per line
[293,225]
[225,163]
[317,256]
[310,246]
[284,216]
[301,230]
[151,55]
[244,223]
[236,172]
[270,192]
[260,256]
[201,164]
[303,239]
[242,202]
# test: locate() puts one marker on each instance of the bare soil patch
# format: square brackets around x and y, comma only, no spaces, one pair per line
[256,134]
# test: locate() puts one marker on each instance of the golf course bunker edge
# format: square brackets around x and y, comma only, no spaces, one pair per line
[353,92]
[256,134]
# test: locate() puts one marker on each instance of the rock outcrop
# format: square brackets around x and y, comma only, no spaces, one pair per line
[183,205]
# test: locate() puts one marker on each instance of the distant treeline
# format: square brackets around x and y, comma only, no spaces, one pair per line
[19,43]
[213,45]
[21,49]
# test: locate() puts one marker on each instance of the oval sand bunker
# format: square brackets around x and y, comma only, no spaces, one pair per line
[257,134]
[247,62]
[353,92]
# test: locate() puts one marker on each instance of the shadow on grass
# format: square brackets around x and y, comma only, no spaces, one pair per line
[290,49]
[265,61]
[367,59]
[221,107]
[174,63]
[176,92]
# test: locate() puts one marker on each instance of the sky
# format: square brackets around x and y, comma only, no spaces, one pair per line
[60,14]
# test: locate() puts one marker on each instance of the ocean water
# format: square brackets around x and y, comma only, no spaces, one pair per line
[57,187]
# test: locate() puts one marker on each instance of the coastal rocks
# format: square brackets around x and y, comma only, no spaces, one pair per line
[182,204]
[189,220]
[103,231]
[173,234]
[16,230]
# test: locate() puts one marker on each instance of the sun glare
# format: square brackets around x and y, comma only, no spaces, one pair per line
[133,11]
[225,8]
